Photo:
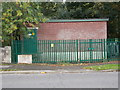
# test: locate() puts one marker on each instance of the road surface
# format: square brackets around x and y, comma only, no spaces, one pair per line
[61,80]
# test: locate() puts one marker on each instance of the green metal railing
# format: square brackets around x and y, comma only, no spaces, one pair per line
[73,51]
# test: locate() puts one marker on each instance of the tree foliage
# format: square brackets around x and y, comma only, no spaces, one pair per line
[16,16]
[84,10]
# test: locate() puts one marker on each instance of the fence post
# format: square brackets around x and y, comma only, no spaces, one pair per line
[77,51]
[105,49]
[91,52]
[14,51]
[12,54]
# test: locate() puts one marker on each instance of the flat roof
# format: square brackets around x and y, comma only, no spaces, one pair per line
[76,20]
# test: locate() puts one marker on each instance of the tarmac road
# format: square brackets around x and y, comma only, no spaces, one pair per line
[61,80]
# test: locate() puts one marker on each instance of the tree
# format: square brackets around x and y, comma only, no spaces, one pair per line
[15,18]
[84,10]
[16,15]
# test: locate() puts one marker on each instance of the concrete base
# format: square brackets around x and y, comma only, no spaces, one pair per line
[25,59]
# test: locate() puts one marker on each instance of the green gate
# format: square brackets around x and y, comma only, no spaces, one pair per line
[30,43]
[53,51]
[113,48]
[92,50]
[26,46]
[73,51]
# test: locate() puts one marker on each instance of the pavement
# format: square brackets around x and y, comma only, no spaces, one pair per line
[50,68]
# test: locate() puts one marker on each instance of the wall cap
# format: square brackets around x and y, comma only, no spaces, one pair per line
[76,20]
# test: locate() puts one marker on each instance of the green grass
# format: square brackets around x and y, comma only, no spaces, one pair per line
[8,69]
[5,64]
[104,67]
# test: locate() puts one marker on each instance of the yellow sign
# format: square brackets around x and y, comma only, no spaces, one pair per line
[52,45]
[116,39]
[33,33]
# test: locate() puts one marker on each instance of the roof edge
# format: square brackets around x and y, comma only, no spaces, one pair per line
[76,20]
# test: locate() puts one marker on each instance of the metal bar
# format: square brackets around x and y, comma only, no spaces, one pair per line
[80,51]
[12,53]
[69,50]
[77,50]
[91,57]
[16,52]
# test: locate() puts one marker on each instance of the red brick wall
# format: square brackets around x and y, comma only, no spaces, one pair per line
[72,30]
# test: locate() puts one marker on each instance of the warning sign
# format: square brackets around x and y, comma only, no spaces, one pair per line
[52,45]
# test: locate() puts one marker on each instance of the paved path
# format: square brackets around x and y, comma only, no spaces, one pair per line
[41,67]
[61,80]
[4,66]
[51,66]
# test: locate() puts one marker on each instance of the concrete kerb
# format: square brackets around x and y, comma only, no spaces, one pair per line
[53,71]
[43,71]
[27,72]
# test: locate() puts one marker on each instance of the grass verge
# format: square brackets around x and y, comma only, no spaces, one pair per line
[104,67]
[8,70]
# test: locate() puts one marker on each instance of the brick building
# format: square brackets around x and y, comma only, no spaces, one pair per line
[73,29]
